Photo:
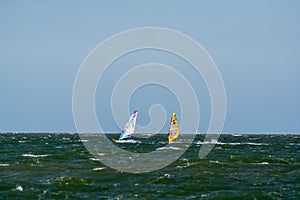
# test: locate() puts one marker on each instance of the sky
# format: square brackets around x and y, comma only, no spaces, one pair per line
[255,44]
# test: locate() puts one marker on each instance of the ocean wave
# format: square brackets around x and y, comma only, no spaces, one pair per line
[232,143]
[292,144]
[94,159]
[262,163]
[128,141]
[34,156]
[19,188]
[237,168]
[214,161]
[99,168]
[173,148]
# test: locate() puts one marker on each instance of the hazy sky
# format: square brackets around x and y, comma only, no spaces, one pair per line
[255,44]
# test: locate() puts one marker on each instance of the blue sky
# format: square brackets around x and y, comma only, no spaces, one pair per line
[255,45]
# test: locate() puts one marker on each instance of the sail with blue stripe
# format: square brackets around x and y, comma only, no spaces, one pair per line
[129,127]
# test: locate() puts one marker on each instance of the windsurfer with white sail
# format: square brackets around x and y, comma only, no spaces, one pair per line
[128,128]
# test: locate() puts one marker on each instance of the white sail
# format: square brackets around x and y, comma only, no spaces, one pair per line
[129,127]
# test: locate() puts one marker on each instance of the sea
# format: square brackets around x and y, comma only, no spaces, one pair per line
[60,166]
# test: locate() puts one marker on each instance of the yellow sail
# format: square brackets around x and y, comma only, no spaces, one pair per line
[173,130]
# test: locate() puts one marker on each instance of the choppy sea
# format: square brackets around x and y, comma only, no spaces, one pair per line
[240,166]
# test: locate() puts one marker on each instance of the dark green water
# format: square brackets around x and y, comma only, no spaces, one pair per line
[57,166]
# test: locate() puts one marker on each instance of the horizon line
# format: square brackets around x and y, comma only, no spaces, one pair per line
[198,133]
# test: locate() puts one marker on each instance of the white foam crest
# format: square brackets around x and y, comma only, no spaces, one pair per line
[232,143]
[128,141]
[174,148]
[292,144]
[19,188]
[94,159]
[257,144]
[99,168]
[262,163]
[34,156]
